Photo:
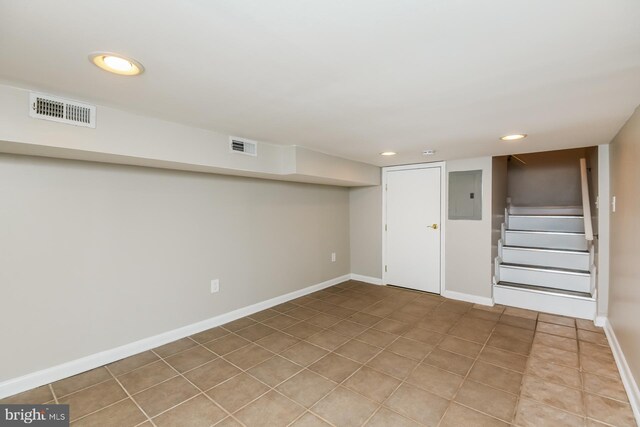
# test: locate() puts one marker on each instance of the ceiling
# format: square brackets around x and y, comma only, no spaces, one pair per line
[349,78]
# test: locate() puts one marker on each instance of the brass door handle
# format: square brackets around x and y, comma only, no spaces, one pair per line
[434,226]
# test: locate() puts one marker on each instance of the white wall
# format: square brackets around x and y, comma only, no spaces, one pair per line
[365,206]
[468,243]
[498,203]
[94,256]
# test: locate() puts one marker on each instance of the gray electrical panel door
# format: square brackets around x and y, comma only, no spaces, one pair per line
[465,195]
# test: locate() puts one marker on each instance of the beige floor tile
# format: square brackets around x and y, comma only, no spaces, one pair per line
[93,398]
[558,320]
[392,326]
[190,359]
[35,396]
[165,395]
[195,412]
[376,338]
[556,341]
[238,324]
[555,355]
[226,344]
[448,361]
[306,388]
[324,320]
[372,384]
[302,330]
[604,386]
[520,322]
[274,371]
[504,359]
[456,306]
[488,400]
[593,337]
[146,376]
[561,397]
[364,319]
[237,392]
[563,331]
[385,418]
[521,312]
[335,367]
[122,414]
[343,407]
[341,312]
[494,376]
[435,380]
[401,316]
[328,340]
[304,353]
[302,313]
[309,420]
[553,373]
[277,342]
[248,356]
[212,374]
[263,315]
[609,411]
[284,307]
[209,335]
[424,336]
[128,364]
[80,381]
[599,365]
[460,346]
[509,344]
[531,413]
[496,308]
[348,328]
[358,351]
[588,325]
[470,333]
[174,347]
[436,324]
[458,416]
[514,332]
[417,404]
[255,332]
[483,314]
[271,410]
[281,321]
[392,364]
[412,349]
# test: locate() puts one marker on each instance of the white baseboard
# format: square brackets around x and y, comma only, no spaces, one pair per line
[468,297]
[600,321]
[74,367]
[366,279]
[630,384]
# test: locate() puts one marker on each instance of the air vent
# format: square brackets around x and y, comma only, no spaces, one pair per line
[47,107]
[243,146]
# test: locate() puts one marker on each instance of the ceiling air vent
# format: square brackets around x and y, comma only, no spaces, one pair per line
[243,146]
[47,107]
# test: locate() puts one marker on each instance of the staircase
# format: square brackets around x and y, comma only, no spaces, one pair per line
[546,260]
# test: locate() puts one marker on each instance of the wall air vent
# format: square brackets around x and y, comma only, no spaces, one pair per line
[47,107]
[243,146]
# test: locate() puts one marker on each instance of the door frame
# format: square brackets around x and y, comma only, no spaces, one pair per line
[387,169]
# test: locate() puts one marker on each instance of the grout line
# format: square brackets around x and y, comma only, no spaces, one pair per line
[53,393]
[131,397]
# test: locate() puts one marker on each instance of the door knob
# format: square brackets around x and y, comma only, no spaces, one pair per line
[434,226]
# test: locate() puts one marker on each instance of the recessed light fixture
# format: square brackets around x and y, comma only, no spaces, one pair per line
[388,153]
[117,64]
[513,137]
[429,152]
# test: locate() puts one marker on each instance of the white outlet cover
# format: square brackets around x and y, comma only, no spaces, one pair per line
[215,286]
[333,257]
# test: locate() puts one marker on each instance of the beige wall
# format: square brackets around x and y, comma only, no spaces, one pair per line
[366,231]
[498,203]
[468,243]
[95,256]
[624,284]
[536,183]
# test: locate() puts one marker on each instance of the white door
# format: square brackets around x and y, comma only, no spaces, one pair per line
[413,219]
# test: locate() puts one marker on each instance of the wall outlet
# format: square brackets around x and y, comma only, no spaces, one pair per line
[333,257]
[613,204]
[215,286]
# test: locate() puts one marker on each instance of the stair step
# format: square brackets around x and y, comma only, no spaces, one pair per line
[562,223]
[573,304]
[545,257]
[542,210]
[546,239]
[555,278]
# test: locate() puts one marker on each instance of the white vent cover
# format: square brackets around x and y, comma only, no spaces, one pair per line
[47,107]
[243,146]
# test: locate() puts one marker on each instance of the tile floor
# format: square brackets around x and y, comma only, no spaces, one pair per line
[358,354]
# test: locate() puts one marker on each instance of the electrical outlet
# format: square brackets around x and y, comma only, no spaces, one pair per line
[333,257]
[613,204]
[215,286]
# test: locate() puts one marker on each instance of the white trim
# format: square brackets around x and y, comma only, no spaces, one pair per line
[64,370]
[600,321]
[630,384]
[443,188]
[366,279]
[468,297]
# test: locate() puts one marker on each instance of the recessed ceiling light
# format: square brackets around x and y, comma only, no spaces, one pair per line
[429,152]
[513,137]
[117,64]
[388,153]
